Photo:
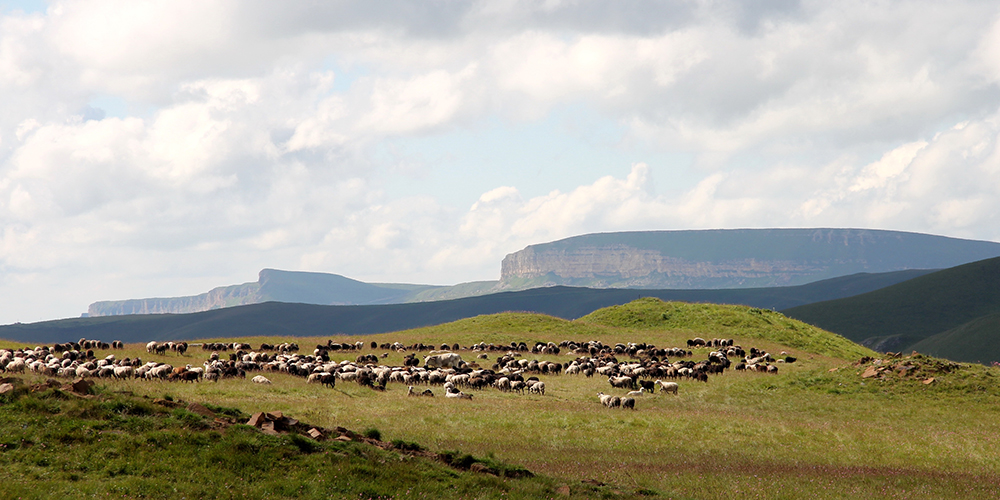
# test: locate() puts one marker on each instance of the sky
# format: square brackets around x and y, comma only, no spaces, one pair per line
[163,148]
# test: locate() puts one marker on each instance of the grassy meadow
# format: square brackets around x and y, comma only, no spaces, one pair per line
[816,429]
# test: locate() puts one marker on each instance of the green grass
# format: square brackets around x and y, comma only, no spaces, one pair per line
[724,321]
[59,446]
[807,432]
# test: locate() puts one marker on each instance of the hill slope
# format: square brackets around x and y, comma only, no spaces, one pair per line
[977,341]
[734,258]
[726,321]
[899,317]
[295,319]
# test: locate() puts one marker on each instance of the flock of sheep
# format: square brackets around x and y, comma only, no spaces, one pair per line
[511,372]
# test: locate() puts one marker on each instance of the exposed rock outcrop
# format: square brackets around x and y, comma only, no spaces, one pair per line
[732,258]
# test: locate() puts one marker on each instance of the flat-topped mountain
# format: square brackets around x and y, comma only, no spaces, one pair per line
[271,285]
[732,258]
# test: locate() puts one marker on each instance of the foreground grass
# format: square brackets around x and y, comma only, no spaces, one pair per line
[57,445]
[805,432]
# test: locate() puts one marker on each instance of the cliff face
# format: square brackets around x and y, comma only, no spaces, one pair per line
[217,298]
[271,285]
[731,258]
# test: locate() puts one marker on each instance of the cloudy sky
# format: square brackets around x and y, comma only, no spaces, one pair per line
[163,148]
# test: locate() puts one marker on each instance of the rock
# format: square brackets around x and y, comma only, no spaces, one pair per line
[563,491]
[482,469]
[870,372]
[256,420]
[167,403]
[201,410]
[929,381]
[82,386]
[315,434]
[5,388]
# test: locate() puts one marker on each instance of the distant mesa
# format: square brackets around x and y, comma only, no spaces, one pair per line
[731,258]
[272,285]
[692,260]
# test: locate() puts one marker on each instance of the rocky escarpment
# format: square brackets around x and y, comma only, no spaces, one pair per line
[271,285]
[731,258]
[217,298]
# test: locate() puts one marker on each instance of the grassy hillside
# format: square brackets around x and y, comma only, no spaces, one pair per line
[977,341]
[58,444]
[902,315]
[807,432]
[749,323]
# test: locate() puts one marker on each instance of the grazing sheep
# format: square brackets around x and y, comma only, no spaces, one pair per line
[503,384]
[628,403]
[615,402]
[444,360]
[123,372]
[668,387]
[622,382]
[605,399]
[517,386]
[538,388]
[633,394]
[260,379]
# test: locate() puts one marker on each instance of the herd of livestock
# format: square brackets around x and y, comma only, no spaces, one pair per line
[635,367]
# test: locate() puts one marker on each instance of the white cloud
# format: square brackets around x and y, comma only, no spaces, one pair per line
[256,135]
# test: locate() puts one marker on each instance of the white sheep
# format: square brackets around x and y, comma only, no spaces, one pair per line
[633,394]
[537,388]
[260,379]
[668,387]
[605,399]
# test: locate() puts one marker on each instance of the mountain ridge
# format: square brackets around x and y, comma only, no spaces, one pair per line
[303,320]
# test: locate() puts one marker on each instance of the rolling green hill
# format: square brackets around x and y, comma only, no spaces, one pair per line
[902,316]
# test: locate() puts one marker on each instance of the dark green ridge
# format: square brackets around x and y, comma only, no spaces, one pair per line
[977,341]
[291,319]
[899,317]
